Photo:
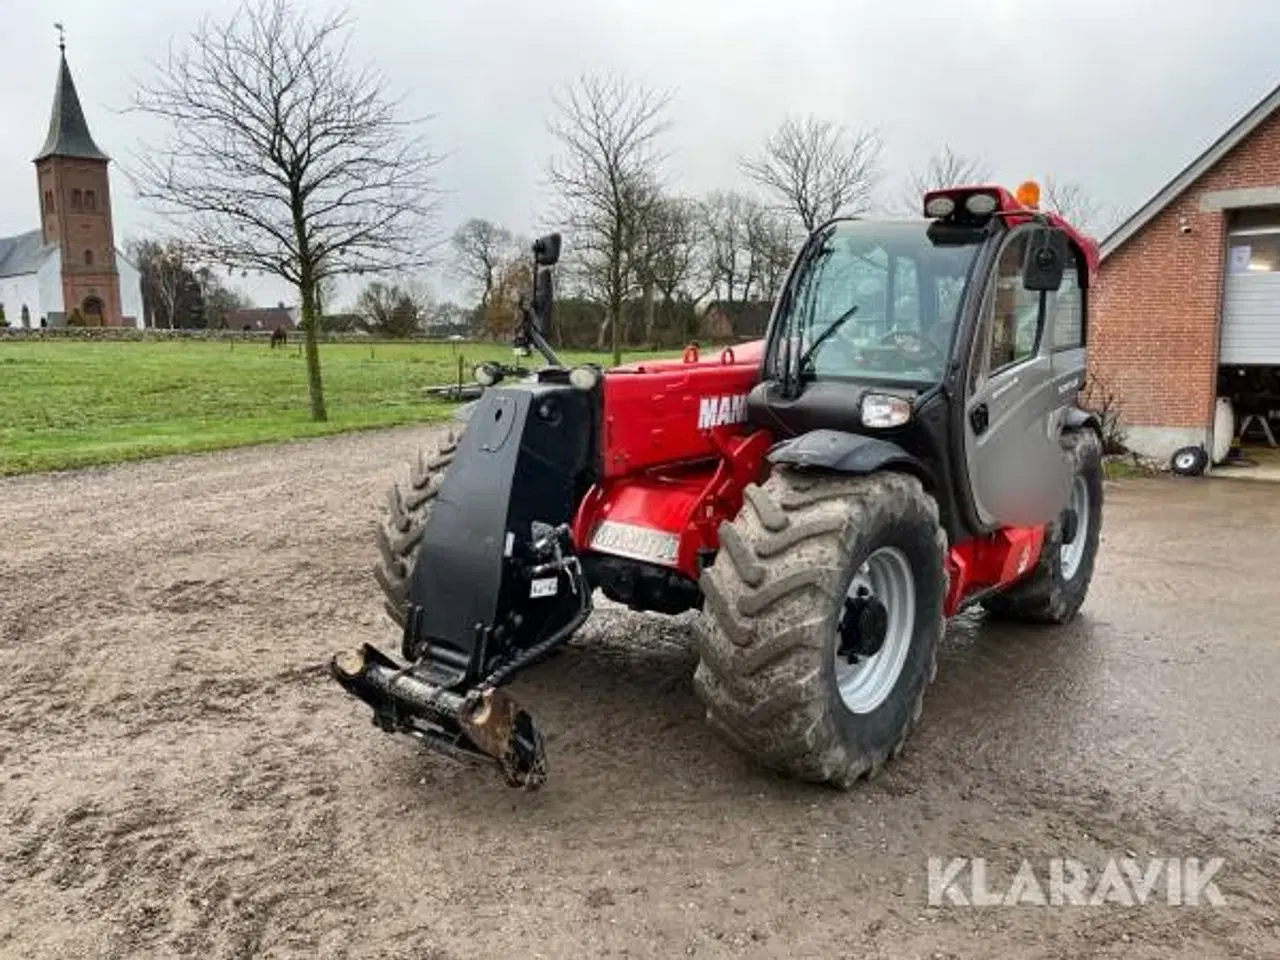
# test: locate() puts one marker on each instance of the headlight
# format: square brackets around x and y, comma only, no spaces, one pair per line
[981,204]
[939,207]
[880,410]
[487,374]
[584,378]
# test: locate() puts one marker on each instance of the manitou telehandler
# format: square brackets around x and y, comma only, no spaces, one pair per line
[902,445]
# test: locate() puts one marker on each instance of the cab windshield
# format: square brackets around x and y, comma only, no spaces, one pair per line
[876,301]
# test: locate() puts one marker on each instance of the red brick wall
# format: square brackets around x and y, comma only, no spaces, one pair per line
[78,231]
[1155,310]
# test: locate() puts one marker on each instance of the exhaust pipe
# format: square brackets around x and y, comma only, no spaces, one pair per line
[484,722]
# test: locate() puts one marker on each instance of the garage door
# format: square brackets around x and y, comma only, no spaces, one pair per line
[1251,298]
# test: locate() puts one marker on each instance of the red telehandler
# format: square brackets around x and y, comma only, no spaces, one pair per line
[903,444]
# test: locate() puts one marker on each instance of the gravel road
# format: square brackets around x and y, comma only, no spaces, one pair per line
[179,777]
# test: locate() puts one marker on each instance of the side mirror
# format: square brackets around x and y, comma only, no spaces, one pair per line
[1046,260]
[543,298]
[546,250]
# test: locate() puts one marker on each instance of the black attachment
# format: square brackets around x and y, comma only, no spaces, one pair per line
[496,583]
[428,700]
[484,723]
[522,465]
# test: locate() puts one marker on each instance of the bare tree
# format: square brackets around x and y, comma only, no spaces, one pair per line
[771,244]
[817,169]
[946,168]
[483,248]
[165,276]
[393,310]
[283,158]
[675,240]
[608,131]
[726,255]
[1072,203]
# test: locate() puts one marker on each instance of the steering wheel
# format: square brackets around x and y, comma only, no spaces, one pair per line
[911,343]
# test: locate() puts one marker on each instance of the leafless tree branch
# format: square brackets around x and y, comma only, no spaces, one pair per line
[483,248]
[817,169]
[284,158]
[1072,203]
[606,175]
[946,168]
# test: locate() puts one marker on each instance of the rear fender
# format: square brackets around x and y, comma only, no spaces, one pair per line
[850,453]
[1078,419]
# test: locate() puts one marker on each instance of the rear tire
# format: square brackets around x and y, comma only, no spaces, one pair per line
[400,531]
[1056,589]
[767,636]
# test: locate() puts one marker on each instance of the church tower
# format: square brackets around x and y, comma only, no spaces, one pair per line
[75,208]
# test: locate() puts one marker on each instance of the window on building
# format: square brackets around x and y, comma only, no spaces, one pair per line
[76,200]
[90,201]
[1253,251]
[26,317]
[88,258]
[1011,316]
[48,201]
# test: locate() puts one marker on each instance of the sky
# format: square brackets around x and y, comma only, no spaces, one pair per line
[1114,95]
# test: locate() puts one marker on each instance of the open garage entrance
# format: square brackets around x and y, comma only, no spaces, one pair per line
[1247,414]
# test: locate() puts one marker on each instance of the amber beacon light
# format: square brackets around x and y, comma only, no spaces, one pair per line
[1029,194]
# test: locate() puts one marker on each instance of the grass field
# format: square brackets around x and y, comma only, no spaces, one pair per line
[69,404]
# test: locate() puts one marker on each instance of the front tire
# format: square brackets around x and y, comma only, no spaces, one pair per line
[791,565]
[1056,589]
[399,533]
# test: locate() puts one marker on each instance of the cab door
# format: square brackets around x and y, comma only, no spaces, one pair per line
[1017,470]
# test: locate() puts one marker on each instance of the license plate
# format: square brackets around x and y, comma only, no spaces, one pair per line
[637,543]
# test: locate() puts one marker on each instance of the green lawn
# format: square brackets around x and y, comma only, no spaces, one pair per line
[71,404]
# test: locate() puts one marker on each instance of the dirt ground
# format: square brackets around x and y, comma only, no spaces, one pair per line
[179,777]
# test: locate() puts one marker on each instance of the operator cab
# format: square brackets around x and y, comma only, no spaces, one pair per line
[952,344]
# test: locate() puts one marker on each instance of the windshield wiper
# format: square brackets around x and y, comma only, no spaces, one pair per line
[835,325]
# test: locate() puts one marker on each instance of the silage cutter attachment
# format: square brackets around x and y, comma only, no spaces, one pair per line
[442,697]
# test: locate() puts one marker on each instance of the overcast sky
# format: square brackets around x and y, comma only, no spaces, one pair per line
[1117,95]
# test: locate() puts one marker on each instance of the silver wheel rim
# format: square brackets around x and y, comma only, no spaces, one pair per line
[1072,553]
[1186,461]
[886,575]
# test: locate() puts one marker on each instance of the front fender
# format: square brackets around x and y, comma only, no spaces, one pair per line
[847,453]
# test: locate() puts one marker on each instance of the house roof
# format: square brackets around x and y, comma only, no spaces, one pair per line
[23,254]
[68,130]
[1198,167]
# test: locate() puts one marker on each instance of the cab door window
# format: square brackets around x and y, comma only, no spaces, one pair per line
[1012,316]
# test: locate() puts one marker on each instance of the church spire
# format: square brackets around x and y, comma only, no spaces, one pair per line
[68,132]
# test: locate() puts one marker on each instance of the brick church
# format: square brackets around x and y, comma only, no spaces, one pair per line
[69,272]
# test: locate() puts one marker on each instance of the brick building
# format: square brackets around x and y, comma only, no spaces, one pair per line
[1186,313]
[69,269]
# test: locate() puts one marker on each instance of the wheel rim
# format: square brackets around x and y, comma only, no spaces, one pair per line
[1072,553]
[886,576]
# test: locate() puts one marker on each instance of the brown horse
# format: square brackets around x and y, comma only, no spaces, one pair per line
[279,337]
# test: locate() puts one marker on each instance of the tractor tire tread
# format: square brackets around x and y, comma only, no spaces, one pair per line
[761,639]
[399,532]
